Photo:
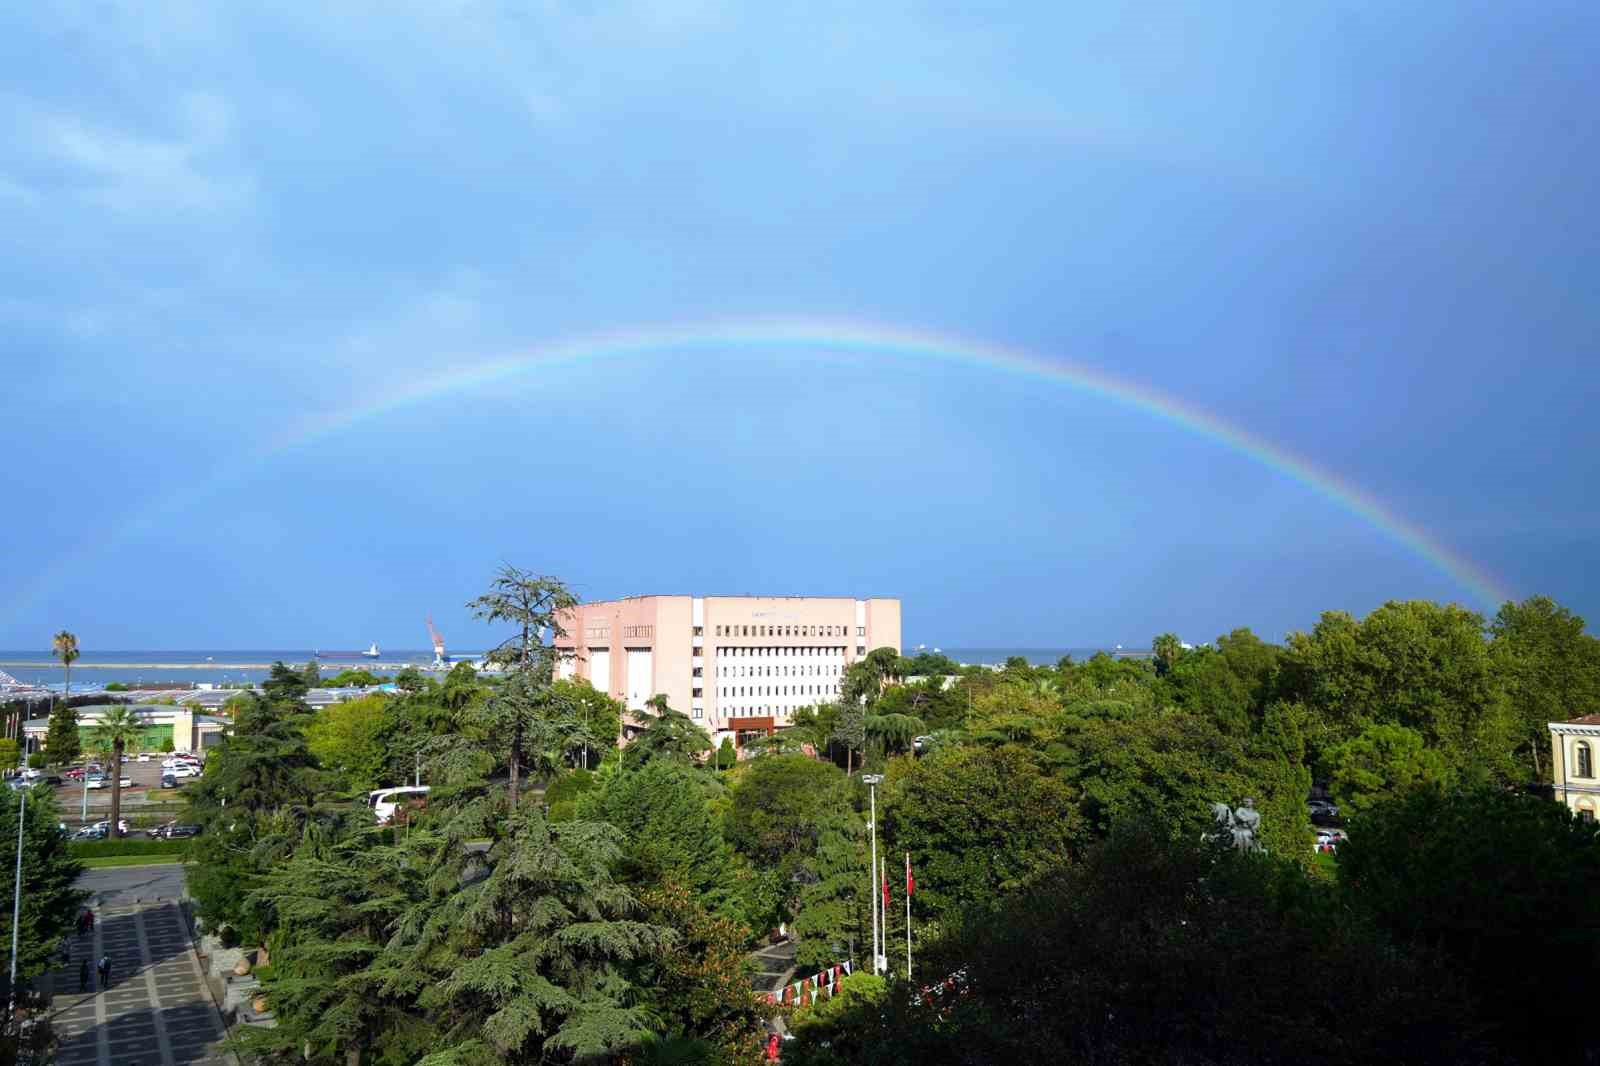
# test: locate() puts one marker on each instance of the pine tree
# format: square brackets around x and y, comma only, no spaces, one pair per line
[530,960]
[62,744]
[49,902]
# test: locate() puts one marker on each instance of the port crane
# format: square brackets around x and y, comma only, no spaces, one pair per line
[439,658]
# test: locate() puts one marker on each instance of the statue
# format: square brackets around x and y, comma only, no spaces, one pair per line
[1237,826]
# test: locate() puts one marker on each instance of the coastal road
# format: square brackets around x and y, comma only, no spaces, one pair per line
[156,1011]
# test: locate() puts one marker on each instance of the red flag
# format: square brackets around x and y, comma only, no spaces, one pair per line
[911,883]
[886,892]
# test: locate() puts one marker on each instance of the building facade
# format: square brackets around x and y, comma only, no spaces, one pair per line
[737,665]
[186,730]
[1574,762]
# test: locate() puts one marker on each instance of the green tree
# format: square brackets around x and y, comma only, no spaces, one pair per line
[834,909]
[699,985]
[668,832]
[1502,885]
[670,734]
[65,646]
[1551,670]
[332,997]
[779,806]
[535,605]
[1168,650]
[530,960]
[311,674]
[118,727]
[62,742]
[1414,664]
[256,800]
[893,732]
[850,729]
[601,715]
[727,754]
[1384,761]
[349,737]
[978,823]
[10,753]
[50,903]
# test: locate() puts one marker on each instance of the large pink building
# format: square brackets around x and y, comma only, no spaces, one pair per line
[735,664]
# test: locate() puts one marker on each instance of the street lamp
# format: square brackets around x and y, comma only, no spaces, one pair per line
[872,782]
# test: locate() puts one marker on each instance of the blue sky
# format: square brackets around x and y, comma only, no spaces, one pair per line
[1365,234]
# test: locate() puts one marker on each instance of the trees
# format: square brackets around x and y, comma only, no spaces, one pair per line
[1167,648]
[65,646]
[49,901]
[670,734]
[256,799]
[601,715]
[10,753]
[667,830]
[530,725]
[1384,761]
[118,726]
[1501,885]
[1550,668]
[1414,664]
[535,605]
[62,741]
[532,959]
[978,823]
[349,737]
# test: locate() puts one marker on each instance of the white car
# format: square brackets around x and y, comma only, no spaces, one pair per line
[144,756]
[184,770]
[30,774]
[101,782]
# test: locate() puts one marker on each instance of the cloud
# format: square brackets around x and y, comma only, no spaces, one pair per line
[127,170]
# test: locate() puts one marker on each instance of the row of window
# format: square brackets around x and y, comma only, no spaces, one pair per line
[833,652]
[741,691]
[805,670]
[786,631]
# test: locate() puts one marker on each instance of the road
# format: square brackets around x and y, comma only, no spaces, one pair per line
[156,1011]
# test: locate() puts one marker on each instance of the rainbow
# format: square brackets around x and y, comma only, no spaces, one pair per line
[879,341]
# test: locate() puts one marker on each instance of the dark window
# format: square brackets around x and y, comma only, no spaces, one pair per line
[1585,759]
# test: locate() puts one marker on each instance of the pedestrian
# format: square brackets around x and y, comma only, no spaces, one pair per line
[83,975]
[105,972]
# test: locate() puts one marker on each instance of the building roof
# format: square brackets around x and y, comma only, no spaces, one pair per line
[1588,719]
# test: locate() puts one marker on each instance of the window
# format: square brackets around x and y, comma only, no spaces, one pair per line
[699,631]
[861,631]
[699,671]
[861,649]
[699,713]
[1584,758]
[697,693]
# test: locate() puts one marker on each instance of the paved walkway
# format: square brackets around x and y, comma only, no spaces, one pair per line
[156,1012]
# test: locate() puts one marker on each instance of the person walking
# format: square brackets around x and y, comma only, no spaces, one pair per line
[105,972]
[83,975]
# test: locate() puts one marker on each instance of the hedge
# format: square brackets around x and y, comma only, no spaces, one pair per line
[99,849]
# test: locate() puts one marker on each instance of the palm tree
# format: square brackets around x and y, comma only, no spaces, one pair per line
[66,649]
[1167,649]
[118,726]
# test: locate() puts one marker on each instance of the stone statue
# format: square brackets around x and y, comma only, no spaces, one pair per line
[1237,826]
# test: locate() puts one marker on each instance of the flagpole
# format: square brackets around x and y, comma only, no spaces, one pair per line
[872,871]
[883,886]
[908,916]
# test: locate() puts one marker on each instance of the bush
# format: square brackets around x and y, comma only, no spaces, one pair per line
[117,686]
[36,761]
[566,789]
[166,744]
[101,849]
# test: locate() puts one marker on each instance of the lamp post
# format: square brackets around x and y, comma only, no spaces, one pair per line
[872,781]
[16,908]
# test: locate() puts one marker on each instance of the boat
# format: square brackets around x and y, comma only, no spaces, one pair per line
[370,653]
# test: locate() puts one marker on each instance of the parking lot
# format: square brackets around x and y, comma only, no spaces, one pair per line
[144,778]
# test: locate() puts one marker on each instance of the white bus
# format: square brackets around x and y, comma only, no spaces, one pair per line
[385,801]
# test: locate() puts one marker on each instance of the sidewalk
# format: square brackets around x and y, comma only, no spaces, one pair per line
[156,1012]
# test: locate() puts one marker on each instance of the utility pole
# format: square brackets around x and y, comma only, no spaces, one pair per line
[872,781]
[16,909]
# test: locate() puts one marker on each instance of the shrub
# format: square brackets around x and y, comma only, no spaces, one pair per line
[166,744]
[101,849]
[36,761]
[117,686]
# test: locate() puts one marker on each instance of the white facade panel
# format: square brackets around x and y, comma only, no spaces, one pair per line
[640,678]
[600,669]
[697,611]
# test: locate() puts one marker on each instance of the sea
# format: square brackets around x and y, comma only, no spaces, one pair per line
[96,669]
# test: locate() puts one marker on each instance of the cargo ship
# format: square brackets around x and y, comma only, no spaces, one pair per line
[370,653]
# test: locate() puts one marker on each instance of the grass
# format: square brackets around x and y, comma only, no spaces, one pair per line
[130,860]
[1328,865]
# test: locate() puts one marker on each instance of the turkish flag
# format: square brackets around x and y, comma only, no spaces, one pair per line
[911,882]
[885,892]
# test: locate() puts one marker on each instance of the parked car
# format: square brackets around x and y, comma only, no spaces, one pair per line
[30,773]
[92,832]
[144,756]
[169,781]
[101,781]
[185,770]
[175,831]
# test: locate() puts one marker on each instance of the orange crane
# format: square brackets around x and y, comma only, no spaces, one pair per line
[438,643]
